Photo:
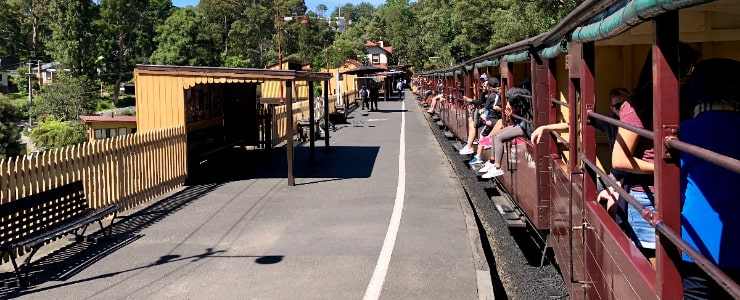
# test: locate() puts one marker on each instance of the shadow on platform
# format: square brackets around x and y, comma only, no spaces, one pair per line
[340,162]
[64,263]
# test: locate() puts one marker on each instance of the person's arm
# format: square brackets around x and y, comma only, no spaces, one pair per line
[623,154]
[537,133]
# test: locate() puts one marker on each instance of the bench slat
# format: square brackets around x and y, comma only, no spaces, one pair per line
[50,233]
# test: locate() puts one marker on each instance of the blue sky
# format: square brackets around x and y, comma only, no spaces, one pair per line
[310,3]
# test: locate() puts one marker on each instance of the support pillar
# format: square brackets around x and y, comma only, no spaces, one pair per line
[312,123]
[290,133]
[667,173]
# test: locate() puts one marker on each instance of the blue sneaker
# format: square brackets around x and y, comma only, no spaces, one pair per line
[476,160]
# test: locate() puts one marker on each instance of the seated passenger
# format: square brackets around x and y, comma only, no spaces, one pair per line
[520,104]
[488,116]
[709,198]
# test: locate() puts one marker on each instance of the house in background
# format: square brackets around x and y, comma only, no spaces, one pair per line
[8,64]
[378,54]
[48,72]
[103,127]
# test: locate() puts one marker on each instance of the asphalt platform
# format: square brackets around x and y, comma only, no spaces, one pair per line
[364,219]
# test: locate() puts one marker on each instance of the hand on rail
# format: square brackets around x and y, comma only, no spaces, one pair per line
[610,196]
[537,134]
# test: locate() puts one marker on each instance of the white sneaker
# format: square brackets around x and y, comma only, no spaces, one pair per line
[466,150]
[493,172]
[486,167]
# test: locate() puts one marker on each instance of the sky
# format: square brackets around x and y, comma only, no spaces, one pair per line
[310,3]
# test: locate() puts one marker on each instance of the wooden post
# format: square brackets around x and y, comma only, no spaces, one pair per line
[311,122]
[289,129]
[574,65]
[588,101]
[667,173]
[326,115]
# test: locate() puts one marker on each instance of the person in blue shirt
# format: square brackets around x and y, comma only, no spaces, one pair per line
[710,202]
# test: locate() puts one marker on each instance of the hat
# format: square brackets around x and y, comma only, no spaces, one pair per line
[483,77]
[493,82]
[713,80]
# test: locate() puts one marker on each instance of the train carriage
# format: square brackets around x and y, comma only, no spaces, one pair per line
[601,45]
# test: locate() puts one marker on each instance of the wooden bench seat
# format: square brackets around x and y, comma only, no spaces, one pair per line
[31,222]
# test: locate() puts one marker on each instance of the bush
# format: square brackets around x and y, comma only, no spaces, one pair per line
[53,133]
[9,134]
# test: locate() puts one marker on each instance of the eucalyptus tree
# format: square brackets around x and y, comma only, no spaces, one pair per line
[73,37]
[181,42]
[121,21]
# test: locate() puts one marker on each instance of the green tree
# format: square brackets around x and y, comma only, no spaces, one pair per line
[251,37]
[9,135]
[180,41]
[54,133]
[120,24]
[73,38]
[69,97]
[356,13]
[393,23]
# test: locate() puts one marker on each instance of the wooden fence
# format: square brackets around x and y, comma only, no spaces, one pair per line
[127,170]
[300,111]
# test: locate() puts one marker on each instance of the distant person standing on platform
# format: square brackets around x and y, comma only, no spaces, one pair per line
[399,87]
[374,95]
[363,96]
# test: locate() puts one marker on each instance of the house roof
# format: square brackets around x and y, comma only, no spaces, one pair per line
[386,49]
[47,66]
[89,119]
[225,74]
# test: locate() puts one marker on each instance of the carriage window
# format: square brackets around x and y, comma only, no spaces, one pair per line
[195,104]
[111,132]
[122,131]
[99,134]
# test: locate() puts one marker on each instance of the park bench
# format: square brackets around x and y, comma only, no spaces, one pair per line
[31,222]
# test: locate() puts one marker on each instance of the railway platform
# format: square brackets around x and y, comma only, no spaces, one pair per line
[380,215]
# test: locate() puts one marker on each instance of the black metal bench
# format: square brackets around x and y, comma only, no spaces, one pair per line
[31,222]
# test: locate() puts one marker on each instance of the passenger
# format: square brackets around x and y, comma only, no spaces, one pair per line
[490,115]
[436,99]
[519,103]
[709,202]
[609,196]
[634,155]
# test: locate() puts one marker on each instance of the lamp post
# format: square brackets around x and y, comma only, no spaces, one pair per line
[280,48]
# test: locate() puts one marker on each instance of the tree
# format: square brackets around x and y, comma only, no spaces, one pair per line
[181,42]
[251,37]
[321,9]
[121,21]
[54,133]
[9,134]
[73,38]
[69,97]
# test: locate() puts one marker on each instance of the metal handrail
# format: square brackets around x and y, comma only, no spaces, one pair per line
[702,262]
[724,161]
[515,116]
[560,139]
[641,131]
[558,102]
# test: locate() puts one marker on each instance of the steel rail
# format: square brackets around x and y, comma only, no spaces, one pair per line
[724,161]
[641,131]
[558,102]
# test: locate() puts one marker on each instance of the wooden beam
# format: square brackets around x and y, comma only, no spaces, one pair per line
[289,136]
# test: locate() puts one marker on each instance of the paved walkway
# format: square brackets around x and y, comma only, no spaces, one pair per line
[247,235]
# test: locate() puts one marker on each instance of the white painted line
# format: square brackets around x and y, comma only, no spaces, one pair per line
[381,267]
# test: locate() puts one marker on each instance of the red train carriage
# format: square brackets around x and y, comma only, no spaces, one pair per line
[599,46]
